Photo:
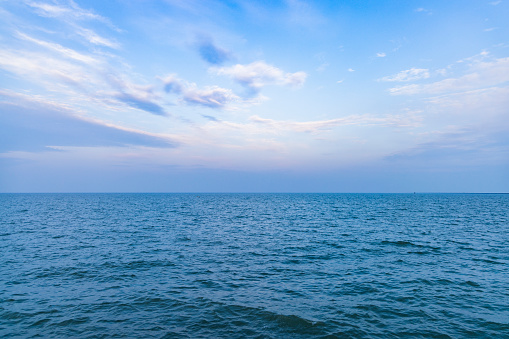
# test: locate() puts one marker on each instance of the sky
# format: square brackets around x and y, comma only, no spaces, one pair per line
[254,96]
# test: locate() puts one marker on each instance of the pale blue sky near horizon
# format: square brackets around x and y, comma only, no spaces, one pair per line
[254,96]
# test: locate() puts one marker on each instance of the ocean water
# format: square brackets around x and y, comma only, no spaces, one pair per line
[254,265]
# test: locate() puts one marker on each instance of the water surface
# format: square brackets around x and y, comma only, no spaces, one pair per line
[254,265]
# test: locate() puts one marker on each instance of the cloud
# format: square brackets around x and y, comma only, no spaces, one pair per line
[77,75]
[133,95]
[69,13]
[209,96]
[211,53]
[424,10]
[73,15]
[492,101]
[31,123]
[96,39]
[140,103]
[303,14]
[172,84]
[258,74]
[46,69]
[63,51]
[406,120]
[381,55]
[482,74]
[323,67]
[456,147]
[408,75]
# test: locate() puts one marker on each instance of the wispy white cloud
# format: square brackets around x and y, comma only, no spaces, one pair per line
[482,74]
[59,124]
[381,55]
[96,39]
[408,75]
[210,96]
[81,76]
[45,69]
[65,52]
[258,74]
[492,102]
[75,16]
[69,11]
[406,120]
[424,10]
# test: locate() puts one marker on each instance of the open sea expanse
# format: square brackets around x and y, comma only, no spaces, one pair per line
[254,265]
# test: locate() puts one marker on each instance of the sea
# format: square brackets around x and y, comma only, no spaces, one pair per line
[254,265]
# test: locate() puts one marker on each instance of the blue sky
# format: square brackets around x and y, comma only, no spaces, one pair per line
[254,96]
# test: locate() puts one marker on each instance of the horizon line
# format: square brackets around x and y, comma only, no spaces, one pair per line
[282,192]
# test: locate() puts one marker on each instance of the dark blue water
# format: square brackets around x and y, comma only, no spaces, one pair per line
[254,265]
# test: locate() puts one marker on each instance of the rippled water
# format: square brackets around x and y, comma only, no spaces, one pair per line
[254,265]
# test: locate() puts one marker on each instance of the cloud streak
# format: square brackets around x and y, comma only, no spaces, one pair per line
[70,13]
[322,125]
[141,103]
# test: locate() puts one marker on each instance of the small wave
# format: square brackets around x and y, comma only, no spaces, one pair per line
[402,243]
[488,261]
[419,252]
[139,264]
[471,283]
[73,321]
[40,322]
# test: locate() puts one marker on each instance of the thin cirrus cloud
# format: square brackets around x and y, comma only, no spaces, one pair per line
[405,120]
[408,75]
[61,50]
[209,96]
[73,15]
[96,39]
[70,13]
[256,75]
